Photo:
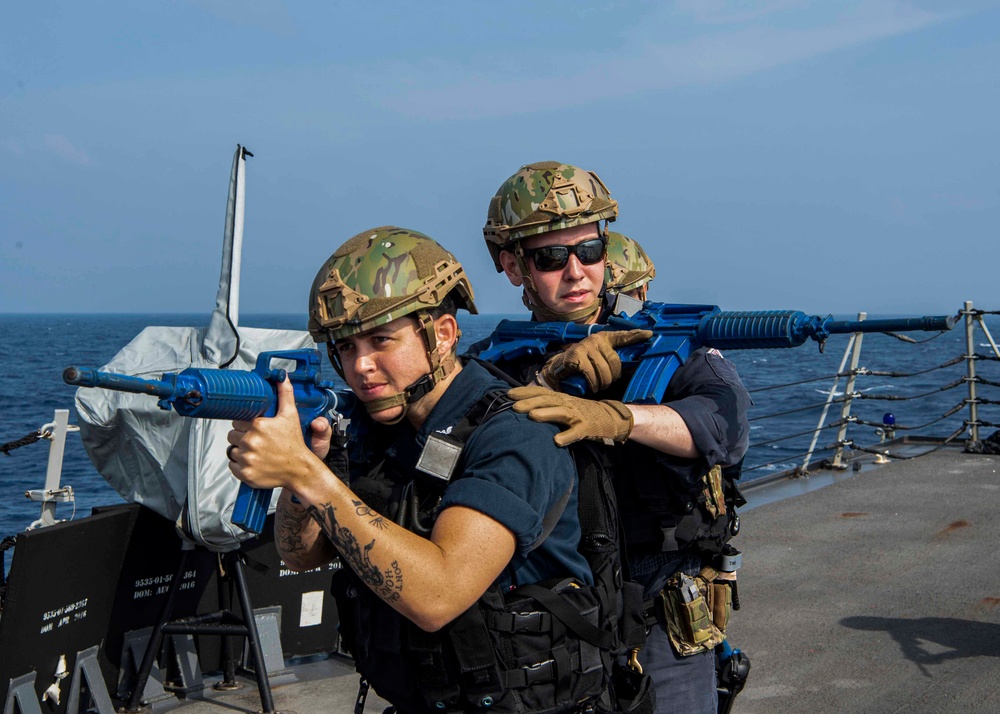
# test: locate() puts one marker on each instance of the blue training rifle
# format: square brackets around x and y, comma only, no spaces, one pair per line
[234,395]
[679,330]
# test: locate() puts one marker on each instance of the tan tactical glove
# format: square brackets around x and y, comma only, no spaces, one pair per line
[594,357]
[605,420]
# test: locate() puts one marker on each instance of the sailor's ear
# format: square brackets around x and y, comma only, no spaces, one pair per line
[508,262]
[446,332]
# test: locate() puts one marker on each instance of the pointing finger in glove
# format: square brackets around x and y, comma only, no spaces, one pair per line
[593,357]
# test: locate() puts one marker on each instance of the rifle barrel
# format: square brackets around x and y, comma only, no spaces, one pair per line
[768,329]
[86,377]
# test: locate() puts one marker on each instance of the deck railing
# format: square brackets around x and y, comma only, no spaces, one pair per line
[921,410]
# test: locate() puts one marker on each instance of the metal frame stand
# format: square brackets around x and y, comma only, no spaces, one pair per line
[87,671]
[21,696]
[224,623]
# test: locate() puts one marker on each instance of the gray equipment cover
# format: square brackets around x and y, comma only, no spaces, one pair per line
[174,465]
[171,464]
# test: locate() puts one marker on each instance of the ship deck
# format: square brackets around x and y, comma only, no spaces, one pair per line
[876,593]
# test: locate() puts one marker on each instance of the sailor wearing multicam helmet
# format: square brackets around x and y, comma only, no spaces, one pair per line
[543,231]
[629,270]
[444,518]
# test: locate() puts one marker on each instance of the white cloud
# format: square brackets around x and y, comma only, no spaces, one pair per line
[645,63]
[64,149]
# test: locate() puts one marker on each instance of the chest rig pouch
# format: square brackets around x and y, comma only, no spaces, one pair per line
[544,648]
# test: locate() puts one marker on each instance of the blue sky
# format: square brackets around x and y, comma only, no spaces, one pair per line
[830,157]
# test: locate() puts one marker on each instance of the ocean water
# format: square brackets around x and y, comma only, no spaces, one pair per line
[34,349]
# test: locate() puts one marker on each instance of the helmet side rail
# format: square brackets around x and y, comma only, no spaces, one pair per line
[234,395]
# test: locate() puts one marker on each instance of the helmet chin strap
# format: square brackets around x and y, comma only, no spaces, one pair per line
[440,368]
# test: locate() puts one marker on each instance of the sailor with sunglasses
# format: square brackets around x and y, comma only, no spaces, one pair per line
[544,233]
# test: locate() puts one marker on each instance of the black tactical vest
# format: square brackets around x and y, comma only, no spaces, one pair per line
[662,499]
[667,503]
[549,647]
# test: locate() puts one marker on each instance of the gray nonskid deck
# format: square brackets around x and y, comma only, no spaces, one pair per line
[327,686]
[876,594]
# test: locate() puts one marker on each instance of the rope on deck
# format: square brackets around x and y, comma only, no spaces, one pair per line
[990,445]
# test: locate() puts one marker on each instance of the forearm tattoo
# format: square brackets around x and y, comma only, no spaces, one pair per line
[387,585]
[289,525]
[377,519]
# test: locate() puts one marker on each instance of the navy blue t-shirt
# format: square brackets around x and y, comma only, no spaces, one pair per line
[514,473]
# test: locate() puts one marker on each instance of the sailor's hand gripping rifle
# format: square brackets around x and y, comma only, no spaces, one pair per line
[679,330]
[234,395]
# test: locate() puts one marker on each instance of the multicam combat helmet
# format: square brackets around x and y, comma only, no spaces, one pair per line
[628,268]
[378,276]
[543,197]
[539,198]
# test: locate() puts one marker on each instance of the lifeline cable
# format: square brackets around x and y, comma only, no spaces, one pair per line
[899,427]
[801,381]
[789,458]
[905,338]
[896,375]
[899,398]
[792,436]
[798,409]
[23,441]
[943,444]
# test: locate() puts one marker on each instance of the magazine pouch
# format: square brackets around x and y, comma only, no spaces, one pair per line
[688,616]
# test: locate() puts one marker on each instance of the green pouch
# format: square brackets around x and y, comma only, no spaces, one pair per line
[687,616]
[722,603]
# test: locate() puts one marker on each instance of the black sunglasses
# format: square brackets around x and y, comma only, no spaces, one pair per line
[555,257]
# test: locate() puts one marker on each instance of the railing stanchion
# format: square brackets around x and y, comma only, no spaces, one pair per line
[989,336]
[970,362]
[838,457]
[826,407]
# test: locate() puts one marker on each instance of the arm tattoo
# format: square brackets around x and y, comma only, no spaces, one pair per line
[377,519]
[386,585]
[289,525]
